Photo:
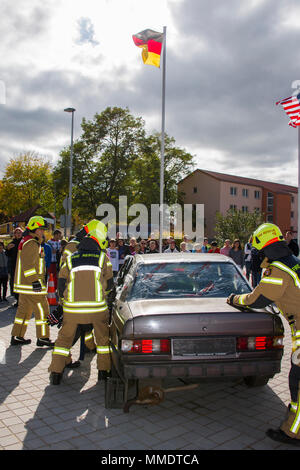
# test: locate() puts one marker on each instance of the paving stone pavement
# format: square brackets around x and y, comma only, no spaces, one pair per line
[35,415]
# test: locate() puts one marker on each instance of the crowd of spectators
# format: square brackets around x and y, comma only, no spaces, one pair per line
[246,257]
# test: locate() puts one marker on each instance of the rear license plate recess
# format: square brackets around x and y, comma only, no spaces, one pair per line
[203,346]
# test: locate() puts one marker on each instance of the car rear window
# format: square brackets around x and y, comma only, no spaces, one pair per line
[168,280]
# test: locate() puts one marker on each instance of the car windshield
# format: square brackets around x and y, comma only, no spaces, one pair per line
[168,280]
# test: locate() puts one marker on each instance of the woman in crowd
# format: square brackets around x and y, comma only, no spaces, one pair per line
[152,247]
[226,248]
[237,254]
[143,247]
[123,250]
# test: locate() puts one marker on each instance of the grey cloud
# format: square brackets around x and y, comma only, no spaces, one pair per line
[86,32]
[21,20]
[33,114]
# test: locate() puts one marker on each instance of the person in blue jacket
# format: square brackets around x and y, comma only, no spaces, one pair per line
[48,255]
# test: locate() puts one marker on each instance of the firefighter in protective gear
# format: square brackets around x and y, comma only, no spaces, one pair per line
[84,281]
[70,248]
[29,283]
[280,284]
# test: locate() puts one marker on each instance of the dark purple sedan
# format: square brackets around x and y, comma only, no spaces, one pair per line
[170,320]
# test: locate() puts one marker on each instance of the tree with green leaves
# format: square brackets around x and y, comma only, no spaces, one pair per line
[146,170]
[236,224]
[102,159]
[27,181]
[114,157]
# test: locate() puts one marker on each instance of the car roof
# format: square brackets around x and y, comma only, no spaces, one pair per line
[182,257]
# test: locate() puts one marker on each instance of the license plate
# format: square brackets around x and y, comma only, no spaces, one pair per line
[203,346]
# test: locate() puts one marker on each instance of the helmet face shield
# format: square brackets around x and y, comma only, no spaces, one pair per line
[99,235]
[95,224]
[265,235]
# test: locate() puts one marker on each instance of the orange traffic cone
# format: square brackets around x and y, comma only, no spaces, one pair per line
[51,291]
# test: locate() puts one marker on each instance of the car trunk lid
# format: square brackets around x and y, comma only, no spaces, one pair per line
[194,317]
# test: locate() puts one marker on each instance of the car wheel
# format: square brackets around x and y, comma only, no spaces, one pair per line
[256,381]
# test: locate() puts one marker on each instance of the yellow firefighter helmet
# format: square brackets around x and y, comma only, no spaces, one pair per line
[265,235]
[93,225]
[36,222]
[99,234]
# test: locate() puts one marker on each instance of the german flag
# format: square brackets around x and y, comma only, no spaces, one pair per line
[151,42]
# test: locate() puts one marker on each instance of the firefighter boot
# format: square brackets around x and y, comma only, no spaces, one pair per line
[19,340]
[103,375]
[55,378]
[45,342]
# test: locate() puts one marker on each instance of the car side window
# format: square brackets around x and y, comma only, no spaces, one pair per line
[128,282]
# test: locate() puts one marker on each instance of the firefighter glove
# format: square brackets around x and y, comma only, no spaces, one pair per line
[37,286]
[230,299]
[55,317]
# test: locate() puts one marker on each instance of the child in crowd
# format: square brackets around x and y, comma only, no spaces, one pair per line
[113,255]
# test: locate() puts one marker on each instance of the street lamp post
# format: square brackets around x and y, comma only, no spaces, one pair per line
[71,110]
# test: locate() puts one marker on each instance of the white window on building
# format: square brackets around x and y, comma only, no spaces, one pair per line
[245,192]
[292,214]
[270,218]
[257,194]
[233,190]
[233,207]
[244,208]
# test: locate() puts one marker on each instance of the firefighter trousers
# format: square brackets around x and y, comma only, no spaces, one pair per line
[29,304]
[87,331]
[291,425]
[61,352]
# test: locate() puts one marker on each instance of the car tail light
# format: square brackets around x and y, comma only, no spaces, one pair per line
[259,343]
[146,346]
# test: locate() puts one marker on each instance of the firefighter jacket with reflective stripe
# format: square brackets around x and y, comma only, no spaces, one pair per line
[30,266]
[280,284]
[86,274]
[70,248]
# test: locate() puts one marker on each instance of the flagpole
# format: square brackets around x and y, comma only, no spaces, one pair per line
[298,234]
[162,151]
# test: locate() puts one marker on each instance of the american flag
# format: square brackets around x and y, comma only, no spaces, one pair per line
[291,106]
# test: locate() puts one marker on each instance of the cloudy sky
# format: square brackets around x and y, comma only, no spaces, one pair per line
[228,62]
